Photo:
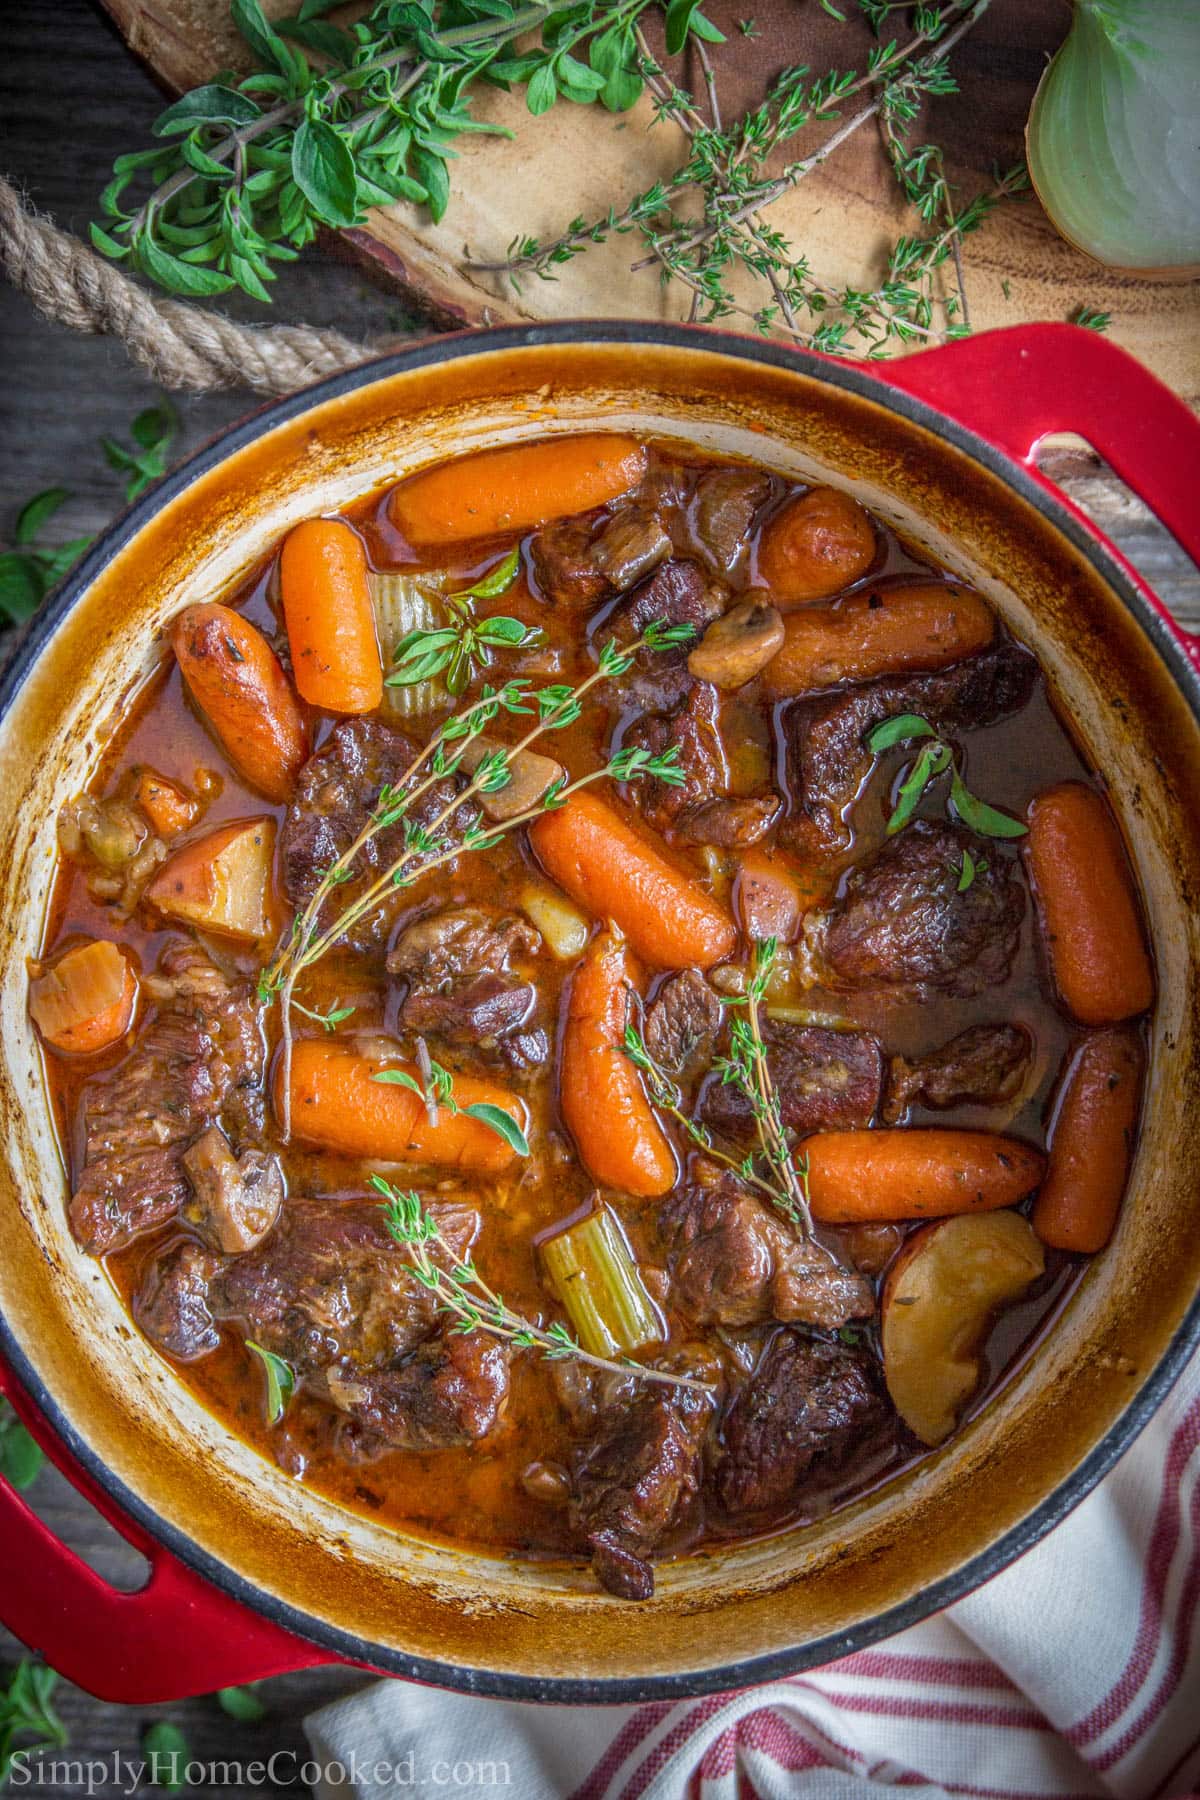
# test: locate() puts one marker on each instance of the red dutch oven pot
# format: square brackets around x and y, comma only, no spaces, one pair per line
[953,433]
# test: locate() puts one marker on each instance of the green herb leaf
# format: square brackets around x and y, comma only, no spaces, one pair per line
[501,1122]
[399,1078]
[22,587]
[211,105]
[967,872]
[980,817]
[901,729]
[931,762]
[166,1752]
[500,630]
[38,512]
[20,1456]
[497,581]
[242,1703]
[323,170]
[281,1381]
[542,91]
[27,1710]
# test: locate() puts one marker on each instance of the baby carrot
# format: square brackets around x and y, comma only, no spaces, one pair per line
[330,618]
[1091,1143]
[815,545]
[600,1092]
[605,867]
[1087,906]
[517,488]
[338,1104]
[881,631]
[854,1176]
[238,683]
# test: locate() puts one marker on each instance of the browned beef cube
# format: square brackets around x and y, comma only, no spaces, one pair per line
[983,1066]
[735,1262]
[903,922]
[826,1081]
[808,1406]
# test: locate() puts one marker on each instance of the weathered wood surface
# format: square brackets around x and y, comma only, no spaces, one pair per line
[70,99]
[579,161]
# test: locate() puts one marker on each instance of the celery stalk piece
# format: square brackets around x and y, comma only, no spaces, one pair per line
[592,1272]
[403,605]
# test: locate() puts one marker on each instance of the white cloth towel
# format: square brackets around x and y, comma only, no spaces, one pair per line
[1074,1673]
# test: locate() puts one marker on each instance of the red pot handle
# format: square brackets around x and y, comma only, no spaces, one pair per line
[1015,387]
[174,1637]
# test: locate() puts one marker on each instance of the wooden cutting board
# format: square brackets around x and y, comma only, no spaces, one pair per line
[581,160]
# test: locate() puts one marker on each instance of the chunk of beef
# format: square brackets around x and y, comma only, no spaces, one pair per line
[579,562]
[202,1054]
[826,1081]
[682,1021]
[171,1305]
[235,1199]
[450,1391]
[903,923]
[630,1484]
[336,792]
[679,593]
[725,505]
[459,942]
[734,1262]
[330,1287]
[460,986]
[827,757]
[629,546]
[564,568]
[808,1406]
[697,809]
[984,1066]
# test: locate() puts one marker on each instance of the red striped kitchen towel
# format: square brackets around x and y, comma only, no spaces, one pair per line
[1075,1672]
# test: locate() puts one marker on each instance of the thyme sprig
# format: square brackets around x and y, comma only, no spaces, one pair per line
[436,1089]
[429,846]
[666,1095]
[746,1068]
[775,1172]
[726,173]
[462,1292]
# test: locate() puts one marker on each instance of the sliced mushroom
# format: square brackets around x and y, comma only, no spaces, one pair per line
[739,644]
[530,775]
[237,1198]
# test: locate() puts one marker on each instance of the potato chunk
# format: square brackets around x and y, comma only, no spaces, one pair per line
[938,1302]
[222,881]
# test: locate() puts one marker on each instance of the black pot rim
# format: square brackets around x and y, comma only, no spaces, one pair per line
[503,1684]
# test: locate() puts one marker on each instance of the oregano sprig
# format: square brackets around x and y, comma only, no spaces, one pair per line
[933,759]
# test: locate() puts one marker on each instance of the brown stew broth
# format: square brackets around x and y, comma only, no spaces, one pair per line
[474,1494]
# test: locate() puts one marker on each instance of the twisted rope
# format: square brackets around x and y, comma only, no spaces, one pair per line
[178,345]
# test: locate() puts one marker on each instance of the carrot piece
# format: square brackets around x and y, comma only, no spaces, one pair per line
[600,1092]
[771,895]
[815,545]
[1091,1143]
[613,873]
[167,807]
[882,631]
[516,489]
[329,616]
[916,1173]
[1087,905]
[238,683]
[337,1105]
[85,1001]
